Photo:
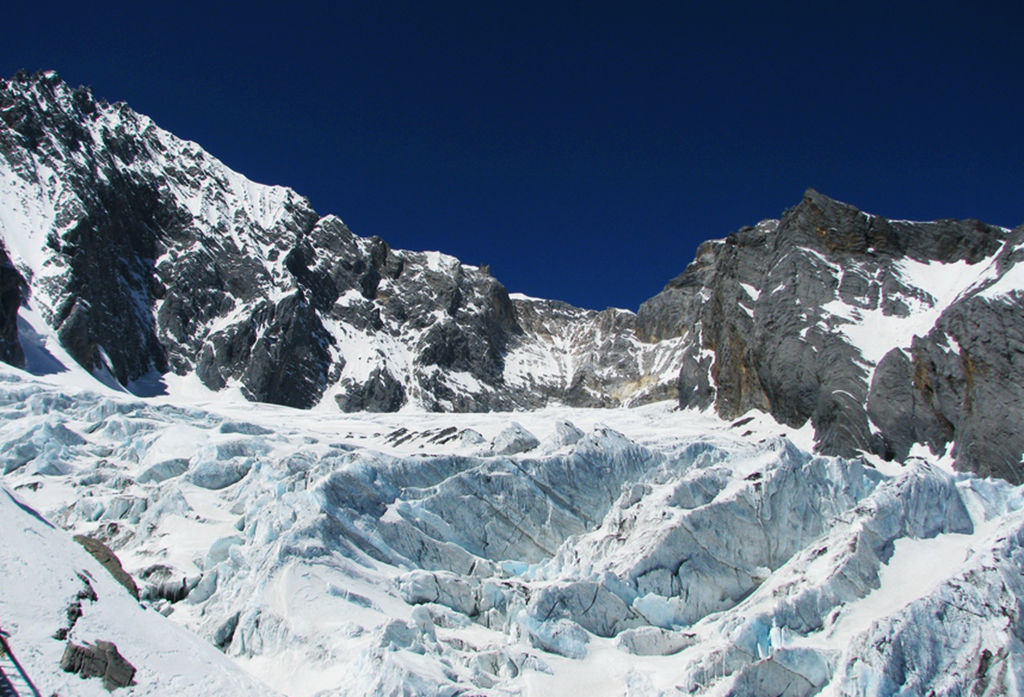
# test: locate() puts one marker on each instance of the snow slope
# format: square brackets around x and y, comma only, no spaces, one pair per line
[43,572]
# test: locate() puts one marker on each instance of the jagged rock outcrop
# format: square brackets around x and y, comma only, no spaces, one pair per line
[146,255]
[961,382]
[880,333]
[588,358]
[99,660]
[105,556]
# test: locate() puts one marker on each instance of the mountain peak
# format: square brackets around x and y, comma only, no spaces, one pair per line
[49,80]
[814,197]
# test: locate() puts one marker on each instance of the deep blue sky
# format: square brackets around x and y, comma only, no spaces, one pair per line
[583,150]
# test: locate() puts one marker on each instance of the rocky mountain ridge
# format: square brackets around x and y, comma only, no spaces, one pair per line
[146,255]
[882,334]
[148,258]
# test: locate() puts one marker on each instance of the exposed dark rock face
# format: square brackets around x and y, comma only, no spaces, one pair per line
[604,363]
[12,290]
[73,612]
[105,556]
[959,383]
[380,392]
[790,317]
[99,660]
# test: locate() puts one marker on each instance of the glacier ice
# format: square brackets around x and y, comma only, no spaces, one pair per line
[639,552]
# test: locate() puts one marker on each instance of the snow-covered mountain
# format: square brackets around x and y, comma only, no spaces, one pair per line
[156,266]
[148,257]
[151,261]
[770,480]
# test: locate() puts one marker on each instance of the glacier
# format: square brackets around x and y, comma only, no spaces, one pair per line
[633,551]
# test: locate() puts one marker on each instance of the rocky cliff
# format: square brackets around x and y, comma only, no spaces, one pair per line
[879,333]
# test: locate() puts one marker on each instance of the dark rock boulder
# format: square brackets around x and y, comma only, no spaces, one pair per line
[99,660]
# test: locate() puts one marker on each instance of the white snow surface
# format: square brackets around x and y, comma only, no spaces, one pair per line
[630,551]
